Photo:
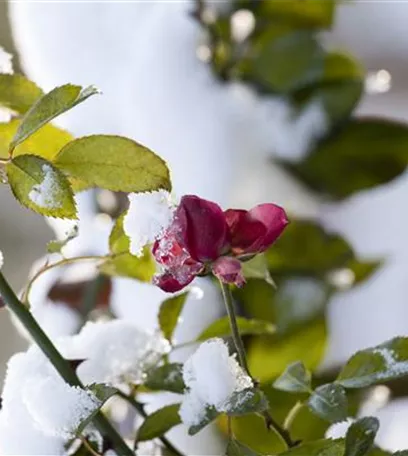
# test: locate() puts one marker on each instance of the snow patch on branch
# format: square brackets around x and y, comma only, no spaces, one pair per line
[212,376]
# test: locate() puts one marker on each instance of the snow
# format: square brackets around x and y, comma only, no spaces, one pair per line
[39,410]
[339,430]
[149,214]
[392,366]
[115,352]
[46,193]
[6,62]
[212,376]
[1,259]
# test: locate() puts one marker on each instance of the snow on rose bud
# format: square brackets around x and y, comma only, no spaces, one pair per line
[202,238]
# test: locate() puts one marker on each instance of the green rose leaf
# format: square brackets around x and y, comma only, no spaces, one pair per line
[318,448]
[360,436]
[257,268]
[169,314]
[248,400]
[48,107]
[102,393]
[38,185]
[329,402]
[246,326]
[168,377]
[295,379]
[401,453]
[121,262]
[210,415]
[114,163]
[370,152]
[159,422]
[385,362]
[18,93]
[235,448]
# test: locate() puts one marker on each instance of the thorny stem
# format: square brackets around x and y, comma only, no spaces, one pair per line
[140,409]
[60,364]
[48,267]
[282,433]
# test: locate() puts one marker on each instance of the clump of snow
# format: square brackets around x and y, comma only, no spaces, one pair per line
[39,410]
[149,214]
[6,62]
[115,352]
[46,193]
[212,376]
[393,366]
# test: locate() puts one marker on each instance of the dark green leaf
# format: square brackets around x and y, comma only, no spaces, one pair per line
[103,393]
[235,448]
[302,13]
[369,152]
[360,436]
[295,379]
[286,60]
[159,422]
[18,93]
[385,362]
[48,107]
[318,448]
[363,270]
[221,328]
[210,415]
[168,377]
[114,163]
[329,402]
[40,186]
[249,400]
[169,314]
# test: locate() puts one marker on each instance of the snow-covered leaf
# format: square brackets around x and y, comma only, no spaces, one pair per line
[48,107]
[385,362]
[169,314]
[168,377]
[249,400]
[246,326]
[159,422]
[40,186]
[318,448]
[102,393]
[235,448]
[114,163]
[18,93]
[329,402]
[56,246]
[210,415]
[295,379]
[360,436]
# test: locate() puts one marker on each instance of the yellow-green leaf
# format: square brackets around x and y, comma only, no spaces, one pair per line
[48,107]
[114,163]
[45,143]
[18,93]
[221,328]
[169,314]
[38,185]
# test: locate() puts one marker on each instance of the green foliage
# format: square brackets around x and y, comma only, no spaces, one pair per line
[114,163]
[49,106]
[319,448]
[257,268]
[235,448]
[360,436]
[121,262]
[329,402]
[57,246]
[296,379]
[168,377]
[221,328]
[368,367]
[159,422]
[18,93]
[169,314]
[210,415]
[38,185]
[369,152]
[249,400]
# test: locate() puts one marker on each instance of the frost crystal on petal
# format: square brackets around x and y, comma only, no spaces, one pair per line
[115,352]
[46,193]
[148,217]
[212,376]
[6,62]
